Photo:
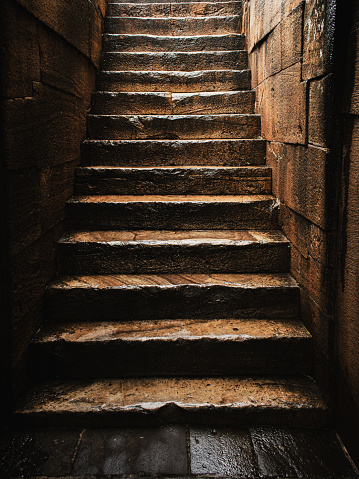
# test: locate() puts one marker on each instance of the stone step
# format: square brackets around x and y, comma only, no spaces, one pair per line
[174,61]
[116,103]
[175,127]
[172,212]
[242,180]
[146,252]
[171,348]
[174,81]
[163,43]
[172,296]
[183,9]
[215,25]
[244,401]
[174,152]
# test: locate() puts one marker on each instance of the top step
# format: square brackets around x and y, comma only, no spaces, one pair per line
[185,9]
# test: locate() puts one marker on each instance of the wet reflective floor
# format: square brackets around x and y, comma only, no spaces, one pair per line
[174,451]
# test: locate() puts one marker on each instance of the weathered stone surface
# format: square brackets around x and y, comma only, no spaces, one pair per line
[178,82]
[263,17]
[174,180]
[192,251]
[174,61]
[318,37]
[291,38]
[172,212]
[112,452]
[185,9]
[146,297]
[171,348]
[172,127]
[115,103]
[154,401]
[163,43]
[174,25]
[174,152]
[59,117]
[20,55]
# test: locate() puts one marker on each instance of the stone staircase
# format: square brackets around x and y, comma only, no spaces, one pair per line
[174,302]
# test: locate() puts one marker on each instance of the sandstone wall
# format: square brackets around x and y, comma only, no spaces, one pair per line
[49,56]
[296,52]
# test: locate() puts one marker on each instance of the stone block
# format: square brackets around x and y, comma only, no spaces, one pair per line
[351,88]
[63,66]
[291,37]
[273,52]
[68,19]
[263,17]
[322,126]
[44,130]
[95,37]
[318,37]
[20,52]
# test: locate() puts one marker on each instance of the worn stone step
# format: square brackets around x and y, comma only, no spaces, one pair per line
[116,103]
[183,9]
[154,401]
[174,81]
[215,25]
[242,180]
[139,252]
[174,61]
[176,127]
[174,152]
[172,296]
[172,212]
[163,43]
[171,347]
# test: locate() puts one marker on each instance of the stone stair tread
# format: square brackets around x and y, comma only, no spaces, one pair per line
[241,280]
[114,170]
[171,9]
[172,330]
[227,400]
[224,237]
[170,199]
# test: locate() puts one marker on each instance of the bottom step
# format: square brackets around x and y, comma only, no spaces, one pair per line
[155,401]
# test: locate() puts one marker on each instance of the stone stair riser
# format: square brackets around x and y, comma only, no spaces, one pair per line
[174,25]
[177,152]
[177,82]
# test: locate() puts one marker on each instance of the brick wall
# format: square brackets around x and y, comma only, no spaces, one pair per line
[49,56]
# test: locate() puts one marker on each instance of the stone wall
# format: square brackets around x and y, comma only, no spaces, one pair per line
[49,57]
[296,56]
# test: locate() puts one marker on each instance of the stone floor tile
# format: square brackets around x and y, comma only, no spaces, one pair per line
[42,452]
[222,451]
[300,453]
[132,451]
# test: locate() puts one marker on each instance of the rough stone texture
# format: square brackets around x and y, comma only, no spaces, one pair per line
[160,43]
[184,180]
[175,152]
[166,296]
[156,401]
[47,74]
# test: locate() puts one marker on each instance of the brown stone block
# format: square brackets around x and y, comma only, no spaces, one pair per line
[24,208]
[44,130]
[56,185]
[322,127]
[63,66]
[291,36]
[20,52]
[263,17]
[302,180]
[68,19]
[318,37]
[273,52]
[96,29]
[351,89]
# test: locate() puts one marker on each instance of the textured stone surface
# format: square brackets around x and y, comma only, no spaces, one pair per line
[193,251]
[175,152]
[163,43]
[173,127]
[174,25]
[156,401]
[178,82]
[173,61]
[144,297]
[170,180]
[172,347]
[172,212]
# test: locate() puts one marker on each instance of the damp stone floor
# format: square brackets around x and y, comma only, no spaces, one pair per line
[174,451]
